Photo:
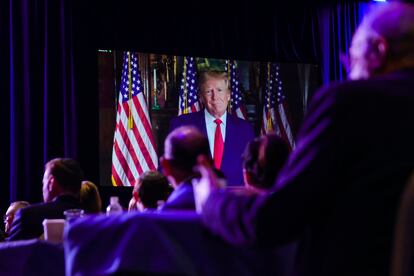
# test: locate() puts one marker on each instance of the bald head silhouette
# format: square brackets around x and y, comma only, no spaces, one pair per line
[183,146]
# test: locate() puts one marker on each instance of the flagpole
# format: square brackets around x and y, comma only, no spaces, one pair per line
[130,118]
[167,79]
[185,87]
[229,83]
[155,106]
[116,92]
[147,88]
[269,92]
[175,69]
[167,73]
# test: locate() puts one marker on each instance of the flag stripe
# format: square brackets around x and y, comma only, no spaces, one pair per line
[123,164]
[116,179]
[240,113]
[127,140]
[138,101]
[195,107]
[140,133]
[127,144]
[286,125]
[281,131]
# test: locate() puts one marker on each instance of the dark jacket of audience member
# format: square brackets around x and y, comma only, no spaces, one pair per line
[61,186]
[182,198]
[90,198]
[181,149]
[262,160]
[150,191]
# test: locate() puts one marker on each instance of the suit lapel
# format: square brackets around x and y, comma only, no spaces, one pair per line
[201,122]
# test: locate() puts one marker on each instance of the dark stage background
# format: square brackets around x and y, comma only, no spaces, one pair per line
[49,73]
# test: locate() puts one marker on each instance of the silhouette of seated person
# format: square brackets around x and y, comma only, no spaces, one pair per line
[262,160]
[90,198]
[62,181]
[181,149]
[150,191]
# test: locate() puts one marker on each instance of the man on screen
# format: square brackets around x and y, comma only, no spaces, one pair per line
[227,134]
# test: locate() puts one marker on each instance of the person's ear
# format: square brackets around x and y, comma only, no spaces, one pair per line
[378,53]
[51,183]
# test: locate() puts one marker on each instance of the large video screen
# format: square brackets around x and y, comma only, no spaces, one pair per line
[139,93]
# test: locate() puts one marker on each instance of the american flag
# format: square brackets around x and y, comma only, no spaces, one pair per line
[134,148]
[236,101]
[275,115]
[188,96]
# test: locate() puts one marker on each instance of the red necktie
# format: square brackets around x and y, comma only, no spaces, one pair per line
[218,145]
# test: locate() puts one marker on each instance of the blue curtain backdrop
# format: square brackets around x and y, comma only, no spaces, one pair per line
[48,69]
[41,93]
[40,106]
[337,23]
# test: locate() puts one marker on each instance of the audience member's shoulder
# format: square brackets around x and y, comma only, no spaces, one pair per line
[357,93]
[335,92]
[27,211]
[240,121]
[355,88]
[188,115]
[327,90]
[34,208]
[393,83]
[184,119]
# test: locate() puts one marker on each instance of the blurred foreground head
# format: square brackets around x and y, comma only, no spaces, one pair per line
[383,42]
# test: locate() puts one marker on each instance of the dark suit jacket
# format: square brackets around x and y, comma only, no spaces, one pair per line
[182,198]
[340,189]
[27,223]
[238,133]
